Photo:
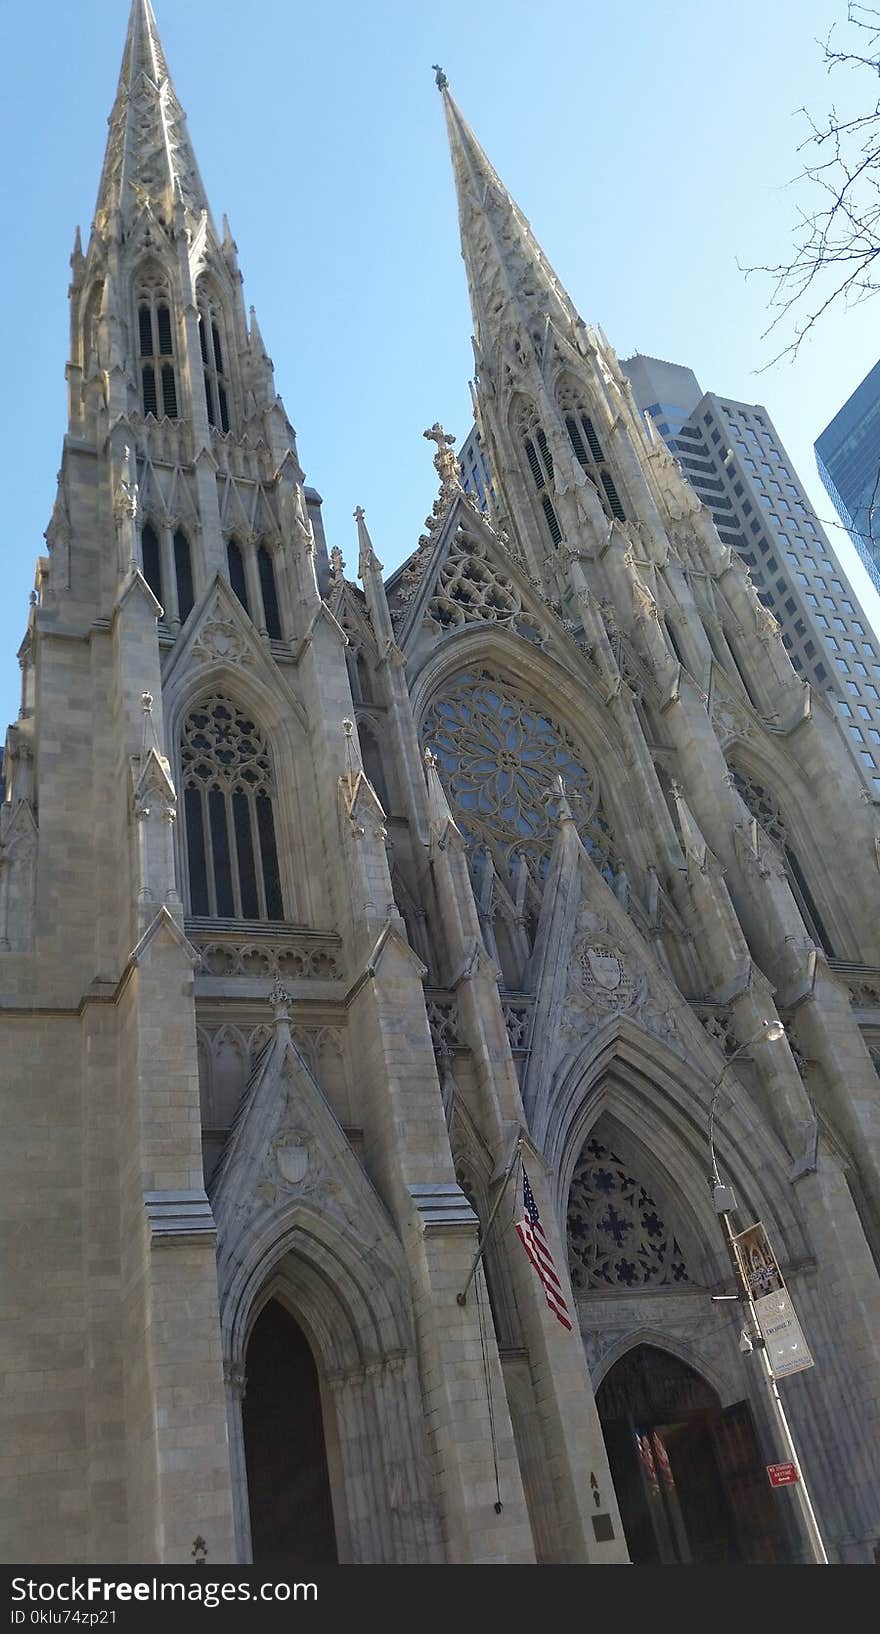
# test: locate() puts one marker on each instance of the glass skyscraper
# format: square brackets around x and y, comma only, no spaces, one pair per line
[848,457]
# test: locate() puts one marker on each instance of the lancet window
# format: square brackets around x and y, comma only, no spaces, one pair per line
[237,576]
[269,592]
[167,568]
[589,451]
[229,794]
[763,806]
[156,350]
[498,756]
[214,364]
[252,577]
[539,459]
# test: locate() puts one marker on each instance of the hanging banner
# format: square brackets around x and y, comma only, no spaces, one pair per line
[787,1349]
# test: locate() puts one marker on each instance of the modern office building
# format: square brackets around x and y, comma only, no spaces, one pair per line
[476,477]
[732,455]
[848,458]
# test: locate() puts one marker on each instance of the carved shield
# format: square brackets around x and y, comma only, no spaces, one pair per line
[293,1161]
[605,968]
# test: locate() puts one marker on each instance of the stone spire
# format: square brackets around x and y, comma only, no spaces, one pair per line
[149,158]
[504,261]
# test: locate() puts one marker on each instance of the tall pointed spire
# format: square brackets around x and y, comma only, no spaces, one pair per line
[149,158]
[508,273]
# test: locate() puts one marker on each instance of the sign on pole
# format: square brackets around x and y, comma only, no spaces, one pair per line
[782,1474]
[787,1349]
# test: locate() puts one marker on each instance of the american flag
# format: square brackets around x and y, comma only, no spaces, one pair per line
[531,1235]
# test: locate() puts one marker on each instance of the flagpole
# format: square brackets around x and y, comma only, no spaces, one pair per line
[484,1238]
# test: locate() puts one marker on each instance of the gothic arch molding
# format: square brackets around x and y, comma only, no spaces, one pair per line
[787,786]
[662,1101]
[725,1381]
[351,1303]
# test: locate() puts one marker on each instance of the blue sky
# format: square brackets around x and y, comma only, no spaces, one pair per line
[648,144]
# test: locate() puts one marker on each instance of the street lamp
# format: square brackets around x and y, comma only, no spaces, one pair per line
[725,1204]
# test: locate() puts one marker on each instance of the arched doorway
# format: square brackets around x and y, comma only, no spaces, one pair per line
[689,1475]
[288,1484]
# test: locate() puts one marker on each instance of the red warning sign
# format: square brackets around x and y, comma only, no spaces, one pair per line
[782,1474]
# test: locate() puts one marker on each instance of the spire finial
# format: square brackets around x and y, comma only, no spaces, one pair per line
[368,561]
[439,76]
[281,1001]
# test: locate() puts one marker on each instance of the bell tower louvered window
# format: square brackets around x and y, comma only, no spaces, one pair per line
[590,453]
[152,562]
[268,588]
[212,344]
[540,464]
[156,347]
[229,793]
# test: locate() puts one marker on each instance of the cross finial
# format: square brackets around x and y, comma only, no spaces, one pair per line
[439,76]
[445,462]
[559,794]
[348,732]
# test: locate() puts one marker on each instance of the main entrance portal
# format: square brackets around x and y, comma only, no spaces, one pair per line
[288,1484]
[689,1474]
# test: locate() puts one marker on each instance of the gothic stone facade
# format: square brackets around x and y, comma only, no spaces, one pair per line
[612,864]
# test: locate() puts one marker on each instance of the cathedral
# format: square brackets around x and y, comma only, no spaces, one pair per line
[344,919]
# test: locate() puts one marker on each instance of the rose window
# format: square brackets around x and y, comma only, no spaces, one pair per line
[498,758]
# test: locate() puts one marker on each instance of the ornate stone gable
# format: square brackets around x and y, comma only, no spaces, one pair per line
[606,978]
[286,1151]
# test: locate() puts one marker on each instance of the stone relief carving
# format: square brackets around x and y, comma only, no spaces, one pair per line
[219,639]
[470,589]
[605,979]
[298,963]
[444,1029]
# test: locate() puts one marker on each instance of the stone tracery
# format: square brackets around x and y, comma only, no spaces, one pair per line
[498,757]
[617,1237]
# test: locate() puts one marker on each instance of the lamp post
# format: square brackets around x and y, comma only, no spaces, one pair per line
[725,1204]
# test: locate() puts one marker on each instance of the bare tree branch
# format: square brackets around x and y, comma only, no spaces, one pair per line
[837,242]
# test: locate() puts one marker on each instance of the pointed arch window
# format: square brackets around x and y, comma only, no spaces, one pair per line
[268,588]
[166,562]
[589,452]
[213,349]
[152,561]
[156,346]
[229,794]
[183,576]
[540,463]
[762,805]
[237,575]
